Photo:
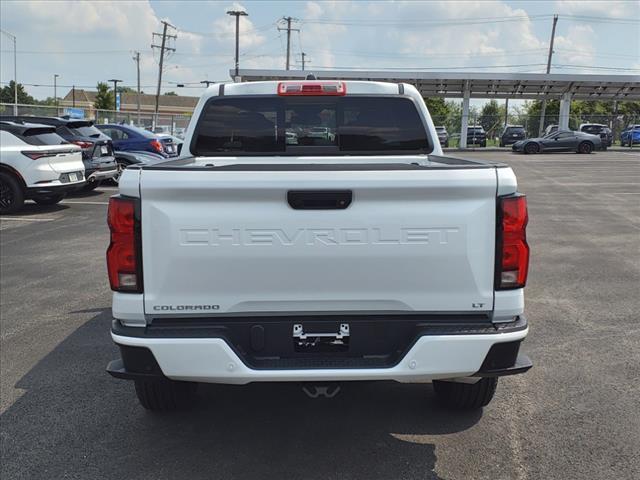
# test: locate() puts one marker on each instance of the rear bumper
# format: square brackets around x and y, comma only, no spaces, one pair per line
[511,141]
[50,190]
[212,359]
[96,175]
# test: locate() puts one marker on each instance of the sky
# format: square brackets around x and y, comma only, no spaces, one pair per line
[89,41]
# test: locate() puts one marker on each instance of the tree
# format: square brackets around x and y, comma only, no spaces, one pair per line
[7,94]
[49,101]
[104,98]
[492,117]
[438,108]
[171,94]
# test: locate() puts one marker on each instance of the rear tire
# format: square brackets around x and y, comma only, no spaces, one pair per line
[165,395]
[465,396]
[52,200]
[585,147]
[531,148]
[11,194]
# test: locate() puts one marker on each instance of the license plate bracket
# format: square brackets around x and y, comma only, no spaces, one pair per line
[321,342]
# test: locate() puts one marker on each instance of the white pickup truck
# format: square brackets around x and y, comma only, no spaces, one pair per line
[269,253]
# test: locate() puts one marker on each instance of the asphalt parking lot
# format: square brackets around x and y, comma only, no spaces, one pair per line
[575,415]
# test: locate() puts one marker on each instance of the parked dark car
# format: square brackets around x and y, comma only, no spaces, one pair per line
[124,159]
[605,133]
[97,149]
[512,134]
[443,136]
[128,138]
[561,141]
[476,136]
[630,135]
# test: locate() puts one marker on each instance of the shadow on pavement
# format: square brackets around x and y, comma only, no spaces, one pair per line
[32,208]
[75,421]
[85,193]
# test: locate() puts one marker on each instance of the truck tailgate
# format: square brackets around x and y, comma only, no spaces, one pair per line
[219,242]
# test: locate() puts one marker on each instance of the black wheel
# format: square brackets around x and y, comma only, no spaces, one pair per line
[501,144]
[484,143]
[165,395]
[465,396]
[446,144]
[531,148]
[11,194]
[51,200]
[585,147]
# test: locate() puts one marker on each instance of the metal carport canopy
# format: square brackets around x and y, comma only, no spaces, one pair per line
[480,85]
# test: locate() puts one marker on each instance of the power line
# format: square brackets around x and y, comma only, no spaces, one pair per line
[506,53]
[587,18]
[438,22]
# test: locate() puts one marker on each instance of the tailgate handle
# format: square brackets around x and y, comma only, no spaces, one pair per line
[319,199]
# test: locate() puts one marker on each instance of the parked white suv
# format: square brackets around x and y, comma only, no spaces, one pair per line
[36,163]
[359,254]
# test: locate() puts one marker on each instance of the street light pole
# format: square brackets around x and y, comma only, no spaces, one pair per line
[115,93]
[15,72]
[237,14]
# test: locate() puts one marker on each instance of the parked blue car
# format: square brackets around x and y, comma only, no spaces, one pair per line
[127,138]
[631,134]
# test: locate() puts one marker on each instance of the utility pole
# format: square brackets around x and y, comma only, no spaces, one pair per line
[162,48]
[115,93]
[289,30]
[136,58]
[73,96]
[302,54]
[237,14]
[55,91]
[15,72]
[543,107]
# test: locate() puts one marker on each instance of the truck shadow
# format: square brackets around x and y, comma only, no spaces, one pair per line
[73,420]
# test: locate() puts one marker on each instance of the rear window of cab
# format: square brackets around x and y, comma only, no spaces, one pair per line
[310,125]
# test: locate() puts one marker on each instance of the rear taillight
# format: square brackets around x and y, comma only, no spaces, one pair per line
[82,144]
[36,155]
[157,146]
[312,88]
[512,250]
[124,255]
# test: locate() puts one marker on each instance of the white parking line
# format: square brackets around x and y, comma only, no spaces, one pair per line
[27,219]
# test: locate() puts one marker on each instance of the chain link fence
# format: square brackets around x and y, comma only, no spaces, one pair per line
[171,124]
[495,125]
[176,124]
